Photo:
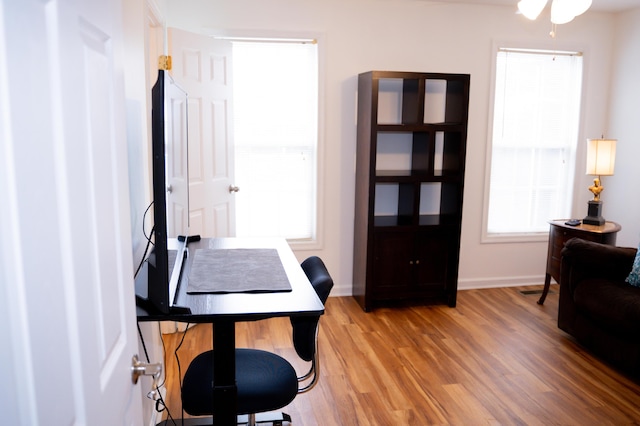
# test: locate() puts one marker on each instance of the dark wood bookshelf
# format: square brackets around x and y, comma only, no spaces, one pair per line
[410,248]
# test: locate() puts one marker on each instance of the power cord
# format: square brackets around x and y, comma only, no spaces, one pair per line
[160,405]
[144,218]
[148,237]
[175,353]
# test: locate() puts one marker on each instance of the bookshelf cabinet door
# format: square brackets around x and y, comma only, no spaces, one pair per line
[393,265]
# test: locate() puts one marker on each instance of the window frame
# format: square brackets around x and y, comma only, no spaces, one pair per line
[518,237]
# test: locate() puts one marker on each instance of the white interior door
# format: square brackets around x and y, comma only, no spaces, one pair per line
[202,66]
[67,315]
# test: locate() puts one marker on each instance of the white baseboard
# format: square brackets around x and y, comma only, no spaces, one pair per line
[344,290]
[494,282]
[467,284]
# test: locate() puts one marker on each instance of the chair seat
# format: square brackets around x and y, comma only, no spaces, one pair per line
[265,382]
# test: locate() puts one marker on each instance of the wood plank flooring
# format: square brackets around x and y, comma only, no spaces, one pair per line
[497,358]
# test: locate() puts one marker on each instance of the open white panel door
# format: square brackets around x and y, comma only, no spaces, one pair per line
[202,66]
[67,314]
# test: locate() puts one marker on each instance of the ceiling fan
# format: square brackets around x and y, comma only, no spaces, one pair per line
[562,11]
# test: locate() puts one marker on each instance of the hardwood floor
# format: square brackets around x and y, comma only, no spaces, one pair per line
[497,358]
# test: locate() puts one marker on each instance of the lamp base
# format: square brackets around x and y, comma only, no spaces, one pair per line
[594,216]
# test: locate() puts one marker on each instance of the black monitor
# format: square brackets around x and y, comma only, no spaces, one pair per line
[164,265]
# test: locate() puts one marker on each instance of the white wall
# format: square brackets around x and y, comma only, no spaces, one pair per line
[621,202]
[405,35]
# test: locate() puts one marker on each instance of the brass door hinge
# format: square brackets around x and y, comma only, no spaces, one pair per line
[164,62]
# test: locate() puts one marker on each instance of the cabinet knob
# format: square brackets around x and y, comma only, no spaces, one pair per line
[411,262]
[418,262]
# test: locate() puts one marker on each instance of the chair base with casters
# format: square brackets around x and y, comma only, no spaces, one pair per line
[273,417]
[265,381]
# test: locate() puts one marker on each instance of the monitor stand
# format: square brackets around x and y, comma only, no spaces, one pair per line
[154,303]
[151,309]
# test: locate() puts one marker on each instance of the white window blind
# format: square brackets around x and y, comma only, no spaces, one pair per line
[535,130]
[276,133]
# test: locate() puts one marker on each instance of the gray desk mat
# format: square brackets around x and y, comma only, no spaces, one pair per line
[237,271]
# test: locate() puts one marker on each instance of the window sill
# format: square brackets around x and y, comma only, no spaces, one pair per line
[302,245]
[524,237]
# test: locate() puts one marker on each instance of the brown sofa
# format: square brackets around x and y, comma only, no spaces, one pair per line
[597,306]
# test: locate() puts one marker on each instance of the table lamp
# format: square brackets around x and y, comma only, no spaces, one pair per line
[601,157]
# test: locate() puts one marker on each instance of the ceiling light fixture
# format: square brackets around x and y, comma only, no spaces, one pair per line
[562,11]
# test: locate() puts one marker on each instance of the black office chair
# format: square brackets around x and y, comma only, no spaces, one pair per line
[265,381]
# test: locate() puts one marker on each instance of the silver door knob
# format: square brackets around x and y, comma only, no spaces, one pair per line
[141,369]
[169,189]
[233,188]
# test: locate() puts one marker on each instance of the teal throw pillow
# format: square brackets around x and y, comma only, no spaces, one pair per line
[634,276]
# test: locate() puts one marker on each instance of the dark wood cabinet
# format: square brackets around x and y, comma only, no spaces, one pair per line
[411,147]
[404,265]
[560,233]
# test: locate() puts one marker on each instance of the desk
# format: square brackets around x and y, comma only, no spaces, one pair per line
[560,233]
[224,310]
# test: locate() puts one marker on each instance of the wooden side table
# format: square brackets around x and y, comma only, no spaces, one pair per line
[560,233]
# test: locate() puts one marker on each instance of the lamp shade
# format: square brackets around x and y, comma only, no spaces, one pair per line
[601,156]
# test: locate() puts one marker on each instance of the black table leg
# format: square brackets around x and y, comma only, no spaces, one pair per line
[225,390]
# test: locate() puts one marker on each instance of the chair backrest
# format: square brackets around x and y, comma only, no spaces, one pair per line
[305,328]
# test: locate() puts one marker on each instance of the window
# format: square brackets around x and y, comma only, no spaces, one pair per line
[535,129]
[276,134]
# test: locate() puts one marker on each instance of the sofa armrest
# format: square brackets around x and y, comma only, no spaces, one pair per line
[582,260]
[586,259]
